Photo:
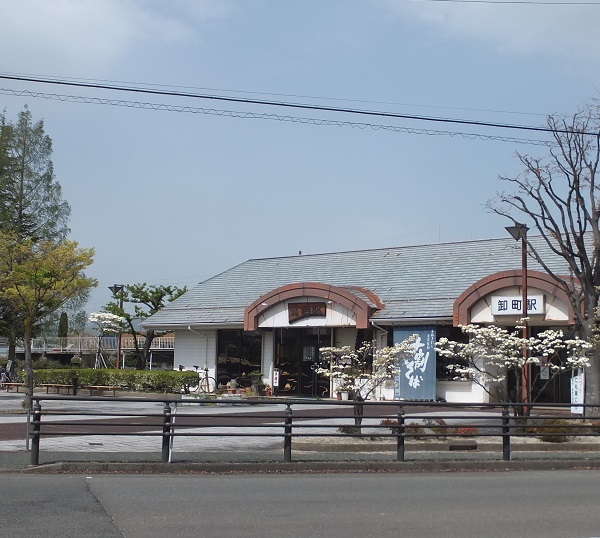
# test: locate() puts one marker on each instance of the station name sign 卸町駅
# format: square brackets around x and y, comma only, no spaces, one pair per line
[513,306]
[298,311]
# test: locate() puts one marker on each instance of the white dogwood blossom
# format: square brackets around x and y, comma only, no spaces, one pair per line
[108,323]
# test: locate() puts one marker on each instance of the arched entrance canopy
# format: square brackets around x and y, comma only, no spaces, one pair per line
[502,280]
[342,296]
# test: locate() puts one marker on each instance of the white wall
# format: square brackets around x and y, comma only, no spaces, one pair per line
[461,392]
[554,309]
[196,348]
[336,315]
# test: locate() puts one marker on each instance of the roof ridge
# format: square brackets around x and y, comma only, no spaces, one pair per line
[423,245]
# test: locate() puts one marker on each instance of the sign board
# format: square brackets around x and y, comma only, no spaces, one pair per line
[513,306]
[417,378]
[275,377]
[298,311]
[577,391]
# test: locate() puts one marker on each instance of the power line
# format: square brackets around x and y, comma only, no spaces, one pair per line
[284,104]
[275,94]
[266,116]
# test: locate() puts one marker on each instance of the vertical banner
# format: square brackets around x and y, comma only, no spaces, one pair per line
[577,391]
[417,378]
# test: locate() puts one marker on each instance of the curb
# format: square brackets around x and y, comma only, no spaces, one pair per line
[306,467]
[308,446]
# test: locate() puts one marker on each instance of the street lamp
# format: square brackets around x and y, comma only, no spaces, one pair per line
[519,231]
[117,290]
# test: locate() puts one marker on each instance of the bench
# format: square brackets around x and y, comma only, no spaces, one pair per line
[102,388]
[10,385]
[56,386]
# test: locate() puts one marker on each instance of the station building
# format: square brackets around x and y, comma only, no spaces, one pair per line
[274,314]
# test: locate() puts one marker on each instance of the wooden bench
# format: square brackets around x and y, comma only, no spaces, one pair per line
[10,385]
[102,388]
[56,386]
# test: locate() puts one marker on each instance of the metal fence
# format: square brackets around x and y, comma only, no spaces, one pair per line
[89,344]
[403,423]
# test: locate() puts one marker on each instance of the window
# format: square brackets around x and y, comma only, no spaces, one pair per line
[239,353]
[442,363]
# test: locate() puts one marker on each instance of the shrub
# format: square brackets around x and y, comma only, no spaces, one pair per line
[391,424]
[438,426]
[467,430]
[137,380]
[552,430]
[349,430]
[48,364]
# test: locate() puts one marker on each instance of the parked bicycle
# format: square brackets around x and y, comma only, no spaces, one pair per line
[206,384]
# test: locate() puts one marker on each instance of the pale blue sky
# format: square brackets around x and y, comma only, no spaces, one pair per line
[173,198]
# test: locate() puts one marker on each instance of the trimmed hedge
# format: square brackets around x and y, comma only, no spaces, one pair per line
[136,380]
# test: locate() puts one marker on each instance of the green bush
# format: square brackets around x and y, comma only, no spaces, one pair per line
[349,430]
[135,380]
[48,364]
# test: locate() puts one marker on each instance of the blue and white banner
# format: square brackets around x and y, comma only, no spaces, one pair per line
[417,377]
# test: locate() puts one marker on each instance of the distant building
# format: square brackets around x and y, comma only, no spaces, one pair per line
[274,314]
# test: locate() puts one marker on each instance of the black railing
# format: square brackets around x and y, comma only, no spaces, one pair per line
[404,423]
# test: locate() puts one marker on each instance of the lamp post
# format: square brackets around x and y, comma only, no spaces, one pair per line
[519,231]
[117,290]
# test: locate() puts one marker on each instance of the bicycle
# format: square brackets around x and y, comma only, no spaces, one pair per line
[206,383]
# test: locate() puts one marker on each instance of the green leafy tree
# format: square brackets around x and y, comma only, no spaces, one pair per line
[147,300]
[37,279]
[559,194]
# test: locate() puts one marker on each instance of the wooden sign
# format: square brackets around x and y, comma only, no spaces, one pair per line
[298,311]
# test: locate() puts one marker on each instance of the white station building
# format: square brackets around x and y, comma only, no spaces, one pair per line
[273,315]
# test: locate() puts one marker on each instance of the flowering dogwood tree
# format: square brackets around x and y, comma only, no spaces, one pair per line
[108,324]
[491,352]
[360,371]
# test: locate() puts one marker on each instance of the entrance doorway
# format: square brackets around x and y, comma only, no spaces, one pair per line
[297,357]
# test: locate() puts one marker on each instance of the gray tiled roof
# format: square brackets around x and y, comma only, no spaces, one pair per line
[415,282]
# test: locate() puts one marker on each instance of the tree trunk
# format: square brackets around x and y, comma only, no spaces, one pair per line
[12,349]
[147,344]
[359,410]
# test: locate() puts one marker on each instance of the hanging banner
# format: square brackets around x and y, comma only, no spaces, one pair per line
[417,378]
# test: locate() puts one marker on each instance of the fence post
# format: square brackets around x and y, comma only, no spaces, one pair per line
[166,433]
[287,436]
[400,436]
[505,434]
[35,439]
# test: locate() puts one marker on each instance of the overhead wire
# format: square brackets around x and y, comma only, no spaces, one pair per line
[267,116]
[289,95]
[285,104]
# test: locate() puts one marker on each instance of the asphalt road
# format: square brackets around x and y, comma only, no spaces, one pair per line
[506,504]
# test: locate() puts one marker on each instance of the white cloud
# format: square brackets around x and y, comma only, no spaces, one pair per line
[567,31]
[82,36]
